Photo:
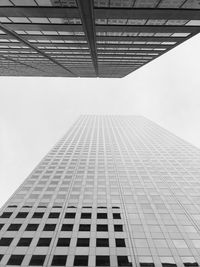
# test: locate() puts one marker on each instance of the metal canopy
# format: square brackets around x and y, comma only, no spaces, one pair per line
[90,39]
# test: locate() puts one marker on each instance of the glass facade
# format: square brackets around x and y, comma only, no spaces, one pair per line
[90,38]
[114,191]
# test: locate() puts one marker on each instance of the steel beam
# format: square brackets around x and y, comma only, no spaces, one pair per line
[102,13]
[140,38]
[88,21]
[101,28]
[147,13]
[133,45]
[44,27]
[147,28]
[101,56]
[98,38]
[128,57]
[50,12]
[50,37]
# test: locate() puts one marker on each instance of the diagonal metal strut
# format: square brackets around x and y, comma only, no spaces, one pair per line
[12,33]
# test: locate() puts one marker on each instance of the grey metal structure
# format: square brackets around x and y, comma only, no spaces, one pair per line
[90,38]
[114,191]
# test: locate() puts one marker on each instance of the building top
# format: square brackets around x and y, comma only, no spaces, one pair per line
[90,38]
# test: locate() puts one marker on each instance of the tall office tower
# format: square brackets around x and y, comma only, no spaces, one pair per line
[90,38]
[114,191]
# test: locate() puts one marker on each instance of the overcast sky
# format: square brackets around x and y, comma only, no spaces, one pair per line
[36,112]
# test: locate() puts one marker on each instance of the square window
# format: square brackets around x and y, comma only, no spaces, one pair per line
[5,241]
[24,242]
[15,260]
[67,227]
[102,260]
[86,215]
[120,242]
[84,227]
[32,227]
[22,215]
[63,242]
[81,260]
[102,216]
[14,227]
[54,215]
[102,228]
[38,214]
[123,261]
[83,242]
[59,260]
[6,215]
[116,216]
[44,242]
[102,242]
[37,260]
[70,215]
[118,228]
[49,227]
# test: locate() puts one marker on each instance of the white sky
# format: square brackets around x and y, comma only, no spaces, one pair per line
[36,112]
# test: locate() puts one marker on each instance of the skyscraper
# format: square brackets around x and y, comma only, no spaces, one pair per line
[114,191]
[90,38]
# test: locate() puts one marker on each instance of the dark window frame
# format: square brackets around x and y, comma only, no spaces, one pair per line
[102,260]
[118,227]
[32,227]
[86,215]
[38,215]
[49,227]
[6,214]
[116,216]
[63,242]
[84,227]
[83,242]
[14,227]
[70,215]
[102,215]
[59,260]
[69,227]
[102,242]
[44,242]
[24,242]
[37,260]
[120,242]
[102,227]
[54,215]
[21,215]
[124,262]
[6,241]
[15,259]
[83,259]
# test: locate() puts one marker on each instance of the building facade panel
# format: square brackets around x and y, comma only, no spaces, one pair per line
[114,191]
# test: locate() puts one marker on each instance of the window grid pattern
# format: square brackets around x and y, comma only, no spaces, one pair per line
[114,191]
